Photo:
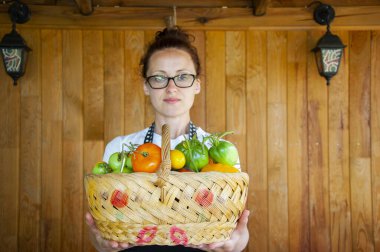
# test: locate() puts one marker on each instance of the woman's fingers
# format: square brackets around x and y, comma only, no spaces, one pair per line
[239,237]
[98,241]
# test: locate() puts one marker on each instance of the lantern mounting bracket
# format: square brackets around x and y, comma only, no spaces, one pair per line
[324,14]
[19,12]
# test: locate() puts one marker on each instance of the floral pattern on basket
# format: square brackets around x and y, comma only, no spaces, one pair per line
[146,235]
[204,197]
[119,199]
[178,236]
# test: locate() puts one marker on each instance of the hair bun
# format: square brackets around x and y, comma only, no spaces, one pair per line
[174,33]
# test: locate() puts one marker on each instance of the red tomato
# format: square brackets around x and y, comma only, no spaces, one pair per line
[146,158]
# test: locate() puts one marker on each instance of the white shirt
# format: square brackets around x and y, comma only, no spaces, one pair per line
[116,144]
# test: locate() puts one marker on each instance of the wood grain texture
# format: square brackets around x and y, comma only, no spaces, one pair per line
[72,177]
[148,109]
[236,92]
[360,140]
[298,173]
[30,147]
[257,140]
[133,83]
[198,111]
[113,84]
[277,142]
[93,85]
[375,134]
[170,3]
[216,82]
[354,18]
[51,164]
[339,172]
[9,159]
[320,239]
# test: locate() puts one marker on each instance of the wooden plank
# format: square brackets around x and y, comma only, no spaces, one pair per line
[170,3]
[257,140]
[277,142]
[298,174]
[51,164]
[149,111]
[198,112]
[320,239]
[93,107]
[216,84]
[93,74]
[133,83]
[375,134]
[113,84]
[334,3]
[358,17]
[30,146]
[221,3]
[360,140]
[9,159]
[236,92]
[340,201]
[72,180]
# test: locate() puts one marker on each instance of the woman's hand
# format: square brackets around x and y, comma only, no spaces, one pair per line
[238,241]
[98,242]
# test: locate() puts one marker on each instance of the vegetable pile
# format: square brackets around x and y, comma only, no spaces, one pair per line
[190,155]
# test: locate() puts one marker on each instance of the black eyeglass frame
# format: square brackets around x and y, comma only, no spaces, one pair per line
[168,80]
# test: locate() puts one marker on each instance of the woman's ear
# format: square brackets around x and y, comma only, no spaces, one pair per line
[197,88]
[146,89]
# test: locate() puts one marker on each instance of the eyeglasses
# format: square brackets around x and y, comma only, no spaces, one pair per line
[161,81]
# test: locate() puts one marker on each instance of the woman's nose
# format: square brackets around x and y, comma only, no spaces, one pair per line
[171,86]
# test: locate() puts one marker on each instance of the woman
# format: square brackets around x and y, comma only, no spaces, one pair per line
[170,68]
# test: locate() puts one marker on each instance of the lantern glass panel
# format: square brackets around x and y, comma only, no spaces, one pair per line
[14,59]
[331,59]
[318,59]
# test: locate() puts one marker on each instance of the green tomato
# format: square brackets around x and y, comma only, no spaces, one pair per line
[196,153]
[224,152]
[101,168]
[129,161]
[116,161]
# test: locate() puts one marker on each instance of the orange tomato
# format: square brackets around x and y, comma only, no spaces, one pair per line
[219,168]
[146,158]
[178,159]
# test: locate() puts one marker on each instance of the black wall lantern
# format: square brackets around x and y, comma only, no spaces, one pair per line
[329,49]
[14,50]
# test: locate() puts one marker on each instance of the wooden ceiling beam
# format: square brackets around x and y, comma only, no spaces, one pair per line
[177,3]
[260,7]
[364,17]
[85,7]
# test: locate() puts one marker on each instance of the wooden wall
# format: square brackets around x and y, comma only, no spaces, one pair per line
[312,151]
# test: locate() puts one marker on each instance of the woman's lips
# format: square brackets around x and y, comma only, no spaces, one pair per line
[171,100]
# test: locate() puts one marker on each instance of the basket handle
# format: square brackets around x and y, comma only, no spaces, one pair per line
[164,170]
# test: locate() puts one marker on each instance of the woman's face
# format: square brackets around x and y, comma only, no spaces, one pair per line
[171,101]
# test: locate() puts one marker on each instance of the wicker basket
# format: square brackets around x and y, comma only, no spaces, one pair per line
[167,208]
